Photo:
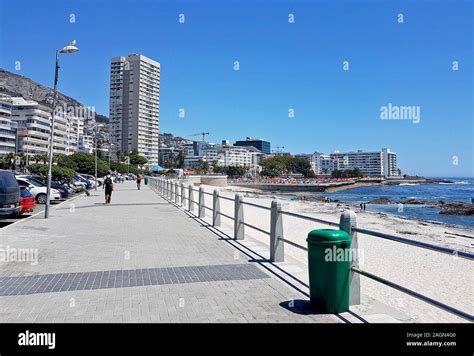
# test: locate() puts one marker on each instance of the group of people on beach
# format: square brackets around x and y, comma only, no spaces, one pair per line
[363,206]
[108,186]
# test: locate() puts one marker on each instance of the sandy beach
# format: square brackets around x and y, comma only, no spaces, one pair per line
[443,277]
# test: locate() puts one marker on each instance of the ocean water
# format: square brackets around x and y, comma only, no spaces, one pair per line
[462,190]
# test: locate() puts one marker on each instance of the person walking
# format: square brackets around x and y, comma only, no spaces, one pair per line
[139,180]
[109,187]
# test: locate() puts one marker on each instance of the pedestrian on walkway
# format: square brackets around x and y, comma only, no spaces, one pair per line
[109,187]
[139,180]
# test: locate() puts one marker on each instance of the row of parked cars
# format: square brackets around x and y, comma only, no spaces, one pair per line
[19,193]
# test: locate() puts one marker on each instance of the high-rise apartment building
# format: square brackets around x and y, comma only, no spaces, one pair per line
[135,105]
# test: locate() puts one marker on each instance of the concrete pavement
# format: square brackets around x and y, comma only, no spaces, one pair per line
[136,260]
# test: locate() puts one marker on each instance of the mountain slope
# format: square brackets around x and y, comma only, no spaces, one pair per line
[18,85]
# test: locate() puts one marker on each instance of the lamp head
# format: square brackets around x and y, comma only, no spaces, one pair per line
[70,48]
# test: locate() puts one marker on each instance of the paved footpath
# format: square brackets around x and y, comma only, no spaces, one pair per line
[137,260]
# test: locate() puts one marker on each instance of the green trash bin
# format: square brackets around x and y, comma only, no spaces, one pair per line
[329,268]
[146,180]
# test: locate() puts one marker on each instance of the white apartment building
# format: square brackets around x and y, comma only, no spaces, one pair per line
[32,120]
[390,166]
[225,155]
[86,143]
[135,105]
[372,164]
[234,156]
[322,164]
[198,152]
[7,130]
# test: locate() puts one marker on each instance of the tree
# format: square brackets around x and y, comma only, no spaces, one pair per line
[8,161]
[283,165]
[123,167]
[137,159]
[179,158]
[203,167]
[120,155]
[236,171]
[275,166]
[300,165]
[169,162]
[57,172]
[83,162]
[348,173]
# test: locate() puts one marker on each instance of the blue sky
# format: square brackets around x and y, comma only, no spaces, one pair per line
[282,66]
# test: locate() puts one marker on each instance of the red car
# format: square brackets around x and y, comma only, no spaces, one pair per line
[27,201]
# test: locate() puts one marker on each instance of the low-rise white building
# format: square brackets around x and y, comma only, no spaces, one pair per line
[32,127]
[7,129]
[223,155]
[372,164]
[86,143]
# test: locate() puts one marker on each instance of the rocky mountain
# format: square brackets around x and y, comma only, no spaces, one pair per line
[17,85]
[171,141]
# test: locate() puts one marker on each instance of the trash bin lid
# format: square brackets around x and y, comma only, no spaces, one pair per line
[328,235]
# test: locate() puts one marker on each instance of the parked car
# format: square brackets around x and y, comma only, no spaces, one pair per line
[27,201]
[9,195]
[80,178]
[43,181]
[91,179]
[38,190]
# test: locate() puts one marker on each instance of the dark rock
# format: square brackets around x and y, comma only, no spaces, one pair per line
[414,201]
[380,200]
[457,209]
[310,197]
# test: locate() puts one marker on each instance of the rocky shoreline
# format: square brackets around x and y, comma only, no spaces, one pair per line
[447,208]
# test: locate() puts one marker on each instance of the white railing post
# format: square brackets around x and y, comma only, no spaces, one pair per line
[348,221]
[171,190]
[167,188]
[191,198]
[201,209]
[239,230]
[176,192]
[183,191]
[277,246]
[216,208]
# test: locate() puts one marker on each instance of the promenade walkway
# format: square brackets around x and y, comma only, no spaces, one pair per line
[136,260]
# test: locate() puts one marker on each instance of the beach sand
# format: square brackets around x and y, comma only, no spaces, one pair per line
[443,277]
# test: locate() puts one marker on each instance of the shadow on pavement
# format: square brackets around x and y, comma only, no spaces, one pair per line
[96,205]
[302,307]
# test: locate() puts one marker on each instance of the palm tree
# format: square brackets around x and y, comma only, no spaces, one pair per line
[44,158]
[179,159]
[22,159]
[119,155]
[10,160]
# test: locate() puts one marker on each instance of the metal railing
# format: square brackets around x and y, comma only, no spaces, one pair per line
[177,193]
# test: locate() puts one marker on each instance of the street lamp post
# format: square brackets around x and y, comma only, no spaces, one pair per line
[71,48]
[27,148]
[95,138]
[110,152]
